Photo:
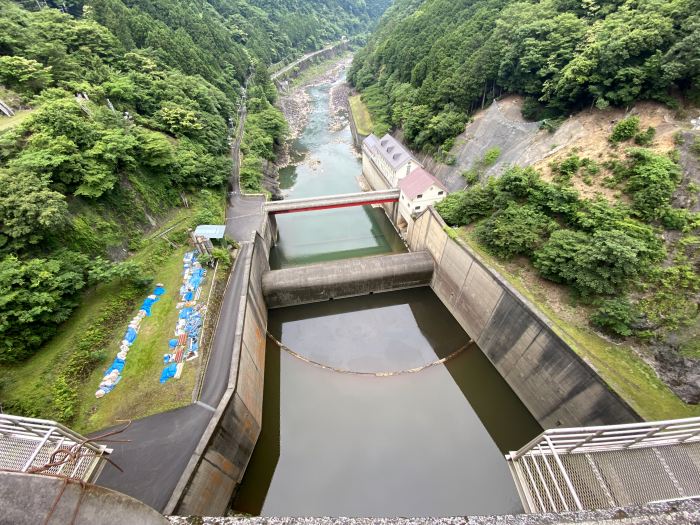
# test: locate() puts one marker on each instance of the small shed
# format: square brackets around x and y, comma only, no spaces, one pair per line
[210,231]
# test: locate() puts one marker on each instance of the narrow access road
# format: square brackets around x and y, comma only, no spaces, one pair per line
[298,61]
[158,447]
[244,213]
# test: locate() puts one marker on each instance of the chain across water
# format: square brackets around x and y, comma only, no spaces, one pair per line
[291,352]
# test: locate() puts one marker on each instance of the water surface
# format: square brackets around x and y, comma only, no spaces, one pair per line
[331,166]
[424,444]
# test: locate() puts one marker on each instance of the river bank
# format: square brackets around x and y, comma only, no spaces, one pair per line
[296,107]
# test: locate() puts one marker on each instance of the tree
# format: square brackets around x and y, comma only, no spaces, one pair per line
[24,74]
[28,207]
[602,263]
[35,296]
[517,230]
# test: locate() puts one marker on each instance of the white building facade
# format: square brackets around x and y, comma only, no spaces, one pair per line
[419,190]
[388,158]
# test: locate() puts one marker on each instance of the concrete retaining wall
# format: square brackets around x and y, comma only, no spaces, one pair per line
[378,182]
[223,454]
[357,137]
[555,383]
[347,278]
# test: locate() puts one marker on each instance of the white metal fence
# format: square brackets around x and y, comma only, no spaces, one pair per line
[608,466]
[46,447]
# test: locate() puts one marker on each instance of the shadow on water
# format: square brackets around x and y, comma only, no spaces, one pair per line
[505,417]
[253,490]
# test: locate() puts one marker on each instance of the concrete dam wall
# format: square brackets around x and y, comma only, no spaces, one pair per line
[347,278]
[555,384]
[222,455]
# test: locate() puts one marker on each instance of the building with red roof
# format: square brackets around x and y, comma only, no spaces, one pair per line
[419,190]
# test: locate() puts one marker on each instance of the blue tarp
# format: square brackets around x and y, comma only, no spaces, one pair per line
[185,313]
[118,365]
[130,335]
[172,343]
[159,291]
[168,373]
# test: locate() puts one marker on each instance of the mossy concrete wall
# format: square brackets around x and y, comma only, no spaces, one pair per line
[223,454]
[555,384]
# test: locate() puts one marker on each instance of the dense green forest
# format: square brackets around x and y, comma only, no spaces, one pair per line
[125,107]
[432,62]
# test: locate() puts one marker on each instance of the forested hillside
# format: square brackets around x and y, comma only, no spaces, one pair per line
[432,62]
[123,108]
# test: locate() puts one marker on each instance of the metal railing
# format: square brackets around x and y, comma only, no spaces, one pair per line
[606,466]
[332,201]
[46,447]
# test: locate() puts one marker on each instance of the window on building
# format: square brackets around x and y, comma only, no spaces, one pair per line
[441,192]
[419,196]
[417,207]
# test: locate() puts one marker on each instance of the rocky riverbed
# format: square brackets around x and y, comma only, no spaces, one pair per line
[296,106]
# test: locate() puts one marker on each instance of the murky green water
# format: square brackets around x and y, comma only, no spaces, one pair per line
[424,444]
[331,166]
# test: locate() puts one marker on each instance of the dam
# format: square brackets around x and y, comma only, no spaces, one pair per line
[346,429]
[371,374]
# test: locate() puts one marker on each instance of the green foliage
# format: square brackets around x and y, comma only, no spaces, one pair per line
[567,168]
[599,264]
[222,256]
[652,180]
[464,207]
[625,129]
[37,295]
[645,138]
[490,157]
[24,74]
[616,316]
[517,230]
[673,299]
[471,176]
[458,55]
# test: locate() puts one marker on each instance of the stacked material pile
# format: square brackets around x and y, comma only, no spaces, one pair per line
[114,373]
[185,345]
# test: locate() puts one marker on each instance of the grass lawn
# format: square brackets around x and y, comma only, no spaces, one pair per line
[19,116]
[360,113]
[139,393]
[618,364]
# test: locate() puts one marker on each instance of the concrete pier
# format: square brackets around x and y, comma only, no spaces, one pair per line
[347,278]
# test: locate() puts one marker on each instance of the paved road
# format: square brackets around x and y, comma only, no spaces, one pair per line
[153,461]
[245,212]
[160,446]
[219,366]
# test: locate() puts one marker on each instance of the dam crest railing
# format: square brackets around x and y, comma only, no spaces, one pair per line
[568,469]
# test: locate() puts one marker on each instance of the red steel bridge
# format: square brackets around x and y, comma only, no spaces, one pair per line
[328,202]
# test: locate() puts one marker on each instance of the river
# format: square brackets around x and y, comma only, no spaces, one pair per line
[428,443]
[328,165]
